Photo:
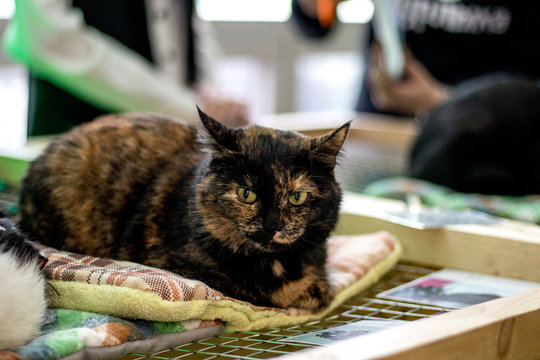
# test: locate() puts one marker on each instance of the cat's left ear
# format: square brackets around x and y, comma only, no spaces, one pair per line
[224,138]
[326,148]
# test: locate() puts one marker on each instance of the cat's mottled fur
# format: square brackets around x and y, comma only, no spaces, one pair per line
[248,211]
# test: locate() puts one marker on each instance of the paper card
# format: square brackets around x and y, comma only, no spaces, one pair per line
[457,289]
[343,332]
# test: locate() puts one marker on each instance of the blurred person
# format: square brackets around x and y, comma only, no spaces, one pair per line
[448,42]
[91,57]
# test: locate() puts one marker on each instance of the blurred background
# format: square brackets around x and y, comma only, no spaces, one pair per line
[263,59]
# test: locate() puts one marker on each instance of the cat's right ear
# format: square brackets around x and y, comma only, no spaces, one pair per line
[325,149]
[223,137]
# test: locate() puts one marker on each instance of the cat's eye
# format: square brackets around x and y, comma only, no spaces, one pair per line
[298,197]
[246,195]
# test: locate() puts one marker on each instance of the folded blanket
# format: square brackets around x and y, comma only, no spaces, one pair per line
[523,208]
[130,290]
[83,335]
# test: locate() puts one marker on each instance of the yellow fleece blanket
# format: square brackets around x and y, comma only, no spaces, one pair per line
[130,290]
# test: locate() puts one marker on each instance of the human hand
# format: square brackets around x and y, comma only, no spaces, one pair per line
[228,111]
[417,92]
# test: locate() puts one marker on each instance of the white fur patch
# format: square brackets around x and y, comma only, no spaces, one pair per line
[91,338]
[22,301]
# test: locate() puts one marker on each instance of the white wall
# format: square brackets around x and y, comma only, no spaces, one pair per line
[282,65]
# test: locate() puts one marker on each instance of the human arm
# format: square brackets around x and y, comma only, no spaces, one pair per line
[418,91]
[53,41]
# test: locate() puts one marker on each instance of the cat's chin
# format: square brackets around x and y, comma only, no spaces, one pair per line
[270,247]
[275,247]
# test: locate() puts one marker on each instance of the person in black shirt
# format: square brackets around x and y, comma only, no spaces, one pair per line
[448,42]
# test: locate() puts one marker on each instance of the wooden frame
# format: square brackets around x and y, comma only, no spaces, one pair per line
[380,129]
[505,328]
[509,249]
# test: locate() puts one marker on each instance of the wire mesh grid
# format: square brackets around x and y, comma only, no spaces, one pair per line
[363,163]
[274,342]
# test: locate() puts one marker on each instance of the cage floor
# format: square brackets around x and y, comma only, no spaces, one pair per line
[272,342]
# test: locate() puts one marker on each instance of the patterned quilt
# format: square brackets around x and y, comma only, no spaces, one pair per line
[81,334]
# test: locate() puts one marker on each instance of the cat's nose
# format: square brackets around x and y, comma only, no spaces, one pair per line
[272,221]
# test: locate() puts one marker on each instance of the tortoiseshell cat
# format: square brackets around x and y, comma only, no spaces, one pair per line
[247,211]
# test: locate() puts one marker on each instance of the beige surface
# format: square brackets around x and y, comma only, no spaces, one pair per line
[365,127]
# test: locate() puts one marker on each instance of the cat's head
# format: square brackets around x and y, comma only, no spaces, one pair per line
[268,190]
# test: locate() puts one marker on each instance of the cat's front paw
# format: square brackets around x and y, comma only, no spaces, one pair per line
[306,293]
[315,298]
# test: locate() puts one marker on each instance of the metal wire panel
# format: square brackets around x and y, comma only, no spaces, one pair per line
[271,342]
[360,164]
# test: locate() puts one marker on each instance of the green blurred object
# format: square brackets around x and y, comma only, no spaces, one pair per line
[14,162]
[523,208]
[12,170]
[13,165]
[9,199]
